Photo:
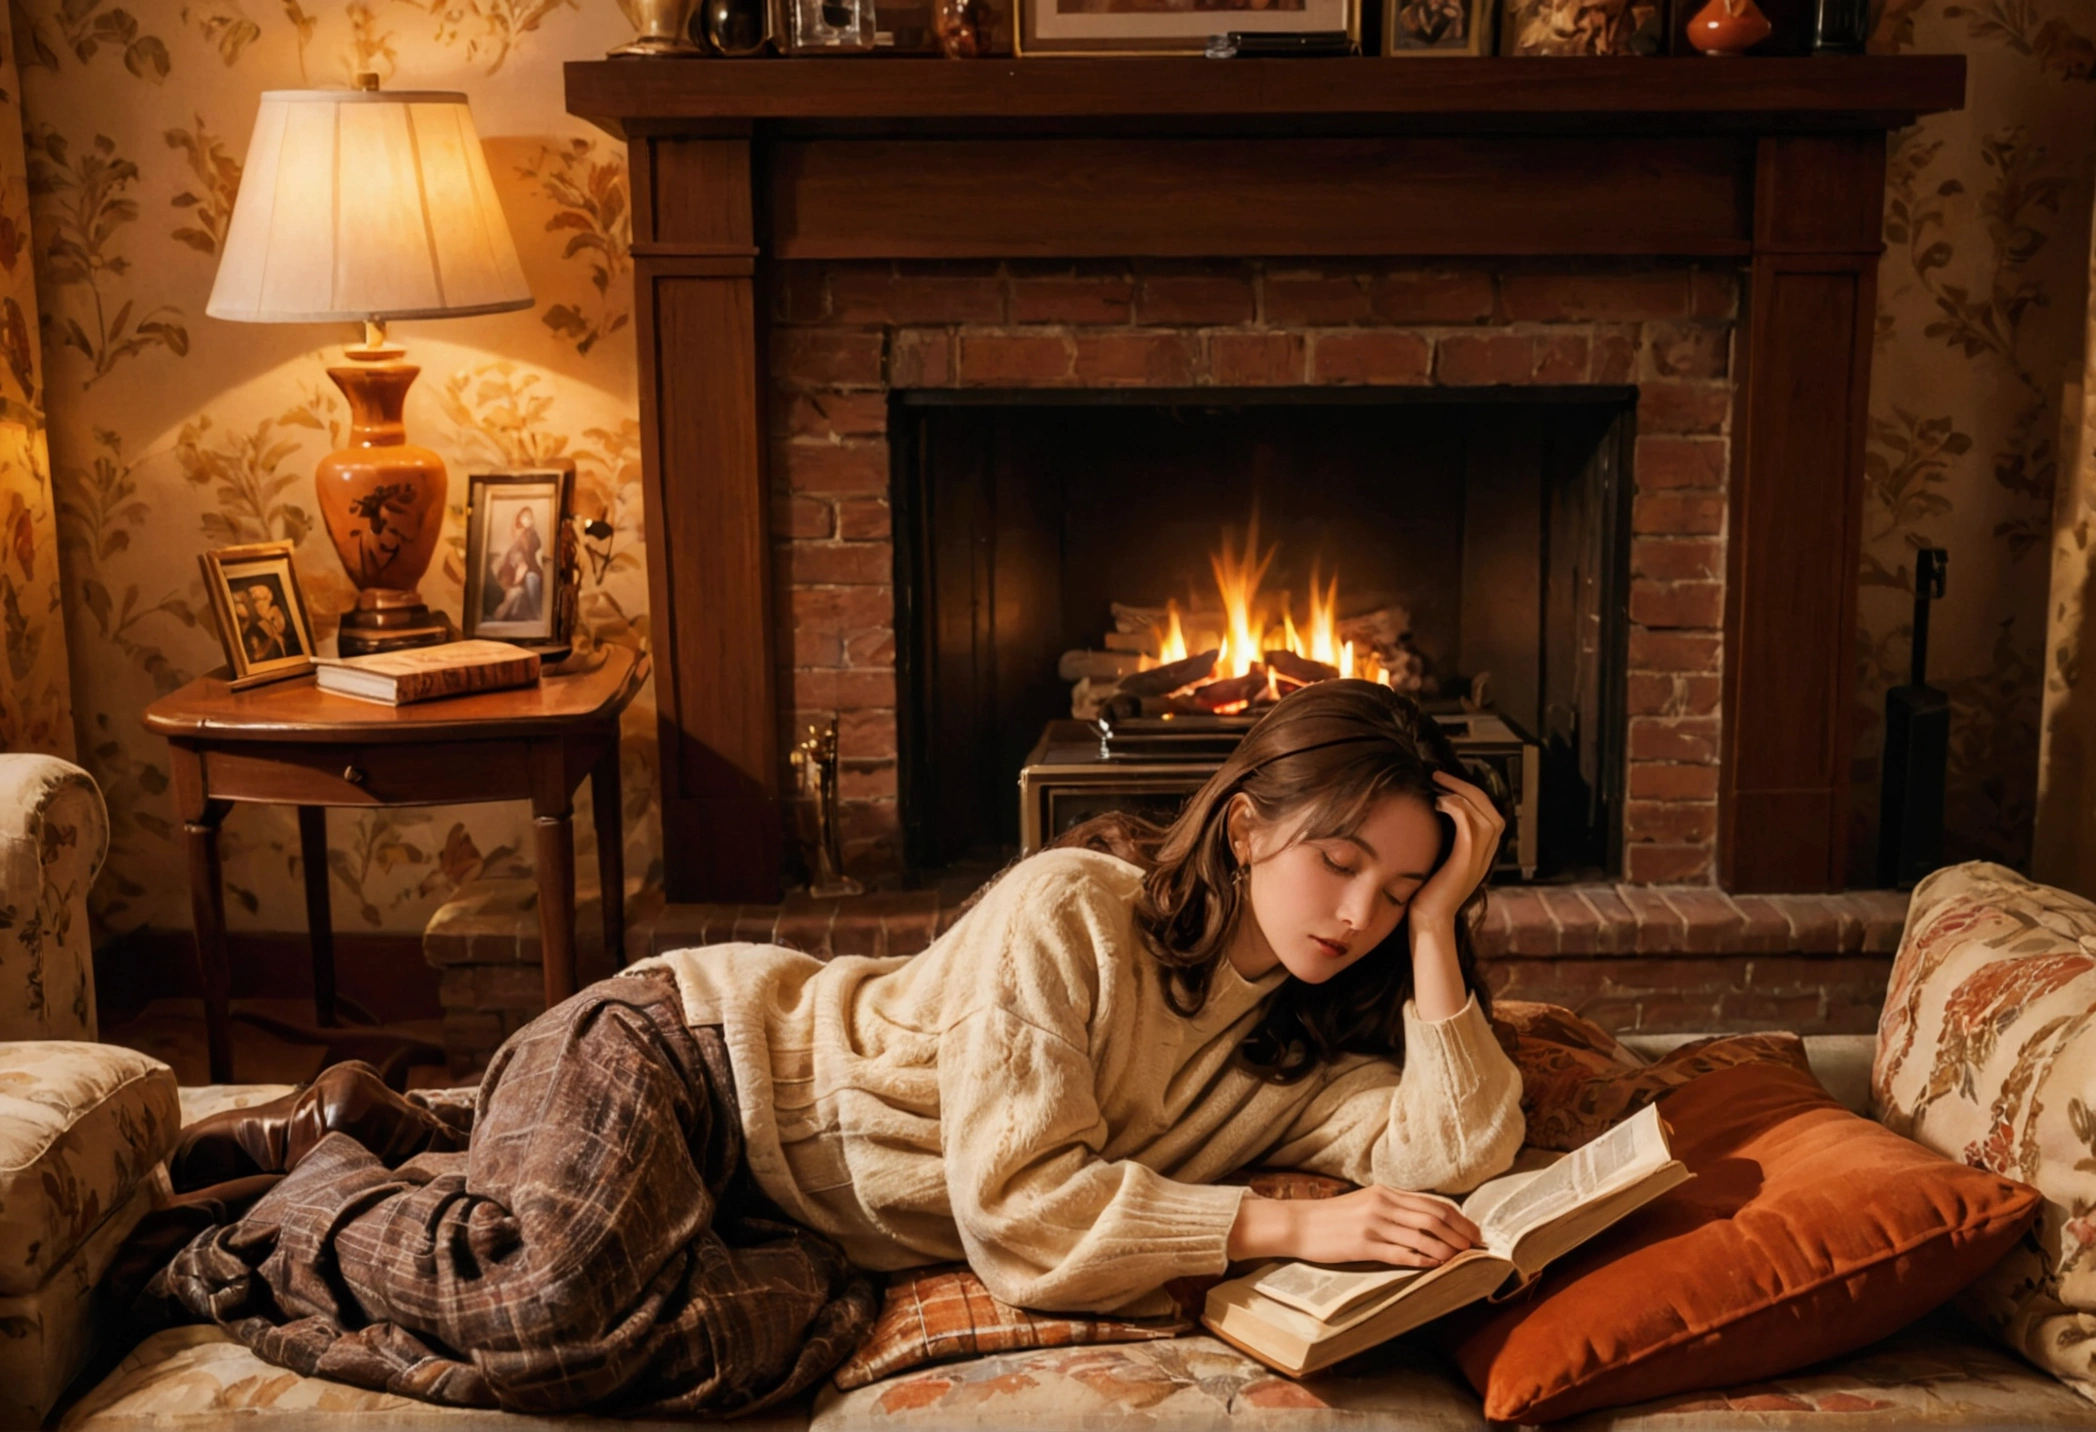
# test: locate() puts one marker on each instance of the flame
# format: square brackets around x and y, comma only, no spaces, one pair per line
[1324,621]
[1246,636]
[1237,578]
[1173,647]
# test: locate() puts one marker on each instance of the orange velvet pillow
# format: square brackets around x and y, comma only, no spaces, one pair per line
[1806,1233]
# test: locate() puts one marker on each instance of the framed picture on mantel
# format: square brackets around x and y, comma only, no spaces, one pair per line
[1437,27]
[1167,27]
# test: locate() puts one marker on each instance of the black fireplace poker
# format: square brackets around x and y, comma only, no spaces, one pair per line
[1917,750]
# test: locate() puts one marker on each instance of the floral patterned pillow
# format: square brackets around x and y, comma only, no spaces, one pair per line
[1987,1053]
[1578,1082]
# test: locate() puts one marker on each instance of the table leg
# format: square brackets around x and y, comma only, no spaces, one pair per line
[553,830]
[201,818]
[611,850]
[320,923]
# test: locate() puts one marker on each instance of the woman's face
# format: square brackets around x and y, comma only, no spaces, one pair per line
[1317,906]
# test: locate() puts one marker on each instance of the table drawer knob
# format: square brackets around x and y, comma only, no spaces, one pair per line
[353,774]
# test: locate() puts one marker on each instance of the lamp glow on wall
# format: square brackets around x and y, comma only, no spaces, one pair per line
[362,206]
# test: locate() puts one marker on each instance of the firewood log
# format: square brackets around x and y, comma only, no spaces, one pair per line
[1300,669]
[1230,690]
[1098,665]
[1159,680]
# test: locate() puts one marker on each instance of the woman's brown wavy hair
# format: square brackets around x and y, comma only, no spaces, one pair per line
[1328,752]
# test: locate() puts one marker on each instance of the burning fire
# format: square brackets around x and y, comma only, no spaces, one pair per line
[1253,646]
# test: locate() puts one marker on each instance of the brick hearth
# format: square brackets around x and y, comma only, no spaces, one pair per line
[848,335]
[1651,959]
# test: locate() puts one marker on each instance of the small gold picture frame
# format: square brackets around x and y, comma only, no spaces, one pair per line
[261,612]
[1417,28]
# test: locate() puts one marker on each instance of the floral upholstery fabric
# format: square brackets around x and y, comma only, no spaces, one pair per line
[54,832]
[1186,1383]
[47,1337]
[81,1127]
[198,1379]
[1987,1053]
[1935,1374]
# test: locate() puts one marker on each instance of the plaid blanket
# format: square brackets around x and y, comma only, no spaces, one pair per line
[598,1245]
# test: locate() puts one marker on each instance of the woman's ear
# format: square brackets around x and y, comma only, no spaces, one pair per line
[1237,825]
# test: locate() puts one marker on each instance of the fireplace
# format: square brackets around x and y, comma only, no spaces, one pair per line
[1473,544]
[813,239]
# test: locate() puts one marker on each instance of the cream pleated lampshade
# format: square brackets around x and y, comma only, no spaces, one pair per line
[361,204]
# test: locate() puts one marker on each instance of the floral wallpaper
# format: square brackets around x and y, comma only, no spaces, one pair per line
[1981,298]
[35,709]
[172,432]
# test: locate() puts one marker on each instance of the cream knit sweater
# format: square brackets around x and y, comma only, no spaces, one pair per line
[1021,1096]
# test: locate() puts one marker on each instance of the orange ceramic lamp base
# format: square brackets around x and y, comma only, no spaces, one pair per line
[382,500]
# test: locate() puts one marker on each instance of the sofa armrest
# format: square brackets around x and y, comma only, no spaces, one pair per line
[54,834]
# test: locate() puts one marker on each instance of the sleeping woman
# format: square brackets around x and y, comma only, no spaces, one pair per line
[675,1181]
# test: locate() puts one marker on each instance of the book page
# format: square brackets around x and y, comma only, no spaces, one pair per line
[1632,1148]
[1324,1292]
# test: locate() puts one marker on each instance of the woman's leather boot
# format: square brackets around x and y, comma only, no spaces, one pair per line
[348,1098]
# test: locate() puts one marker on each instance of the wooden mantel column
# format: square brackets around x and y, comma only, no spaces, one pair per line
[702,402]
[1796,508]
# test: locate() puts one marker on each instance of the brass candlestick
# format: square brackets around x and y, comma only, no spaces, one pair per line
[815,812]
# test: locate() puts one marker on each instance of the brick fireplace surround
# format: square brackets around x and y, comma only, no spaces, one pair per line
[811,237]
[849,335]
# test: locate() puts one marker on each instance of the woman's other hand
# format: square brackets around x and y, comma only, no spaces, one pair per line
[1478,826]
[1373,1225]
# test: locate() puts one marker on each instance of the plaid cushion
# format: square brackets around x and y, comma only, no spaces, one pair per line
[942,1313]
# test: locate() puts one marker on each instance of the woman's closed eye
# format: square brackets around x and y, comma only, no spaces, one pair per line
[1397,902]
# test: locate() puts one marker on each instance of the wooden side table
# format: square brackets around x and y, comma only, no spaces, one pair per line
[293,744]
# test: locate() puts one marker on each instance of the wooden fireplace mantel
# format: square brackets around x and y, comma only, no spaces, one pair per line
[1776,165]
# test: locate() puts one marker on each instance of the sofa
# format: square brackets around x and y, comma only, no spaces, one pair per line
[85,1129]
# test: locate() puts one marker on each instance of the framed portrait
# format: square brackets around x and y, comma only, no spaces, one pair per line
[1437,27]
[513,527]
[1167,27]
[1583,27]
[262,621]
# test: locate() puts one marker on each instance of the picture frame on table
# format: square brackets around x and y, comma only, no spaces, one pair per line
[1419,28]
[1167,27]
[260,608]
[514,567]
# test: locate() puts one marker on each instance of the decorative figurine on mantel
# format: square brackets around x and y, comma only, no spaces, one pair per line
[815,812]
[358,206]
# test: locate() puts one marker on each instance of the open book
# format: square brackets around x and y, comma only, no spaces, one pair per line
[1298,1317]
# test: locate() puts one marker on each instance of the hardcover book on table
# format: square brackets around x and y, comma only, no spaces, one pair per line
[1299,1317]
[426,673]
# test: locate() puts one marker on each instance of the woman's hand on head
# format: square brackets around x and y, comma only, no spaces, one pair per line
[1478,828]
[1373,1225]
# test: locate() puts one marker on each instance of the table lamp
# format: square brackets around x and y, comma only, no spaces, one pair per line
[362,206]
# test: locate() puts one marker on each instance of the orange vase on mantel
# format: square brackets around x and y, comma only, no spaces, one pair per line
[1728,27]
[381,497]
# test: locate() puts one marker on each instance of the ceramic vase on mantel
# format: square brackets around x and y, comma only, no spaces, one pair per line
[1728,27]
